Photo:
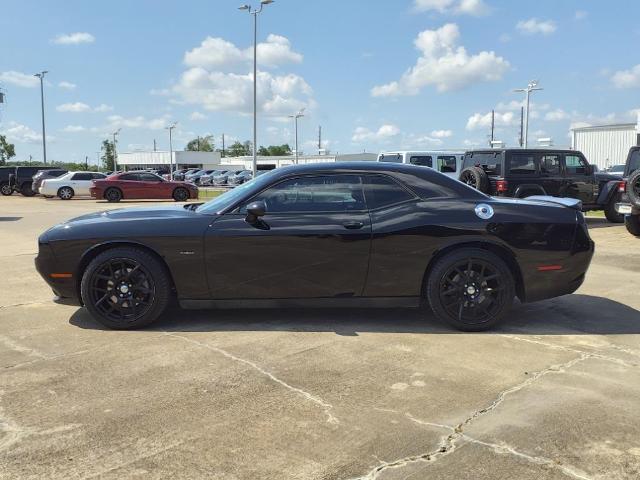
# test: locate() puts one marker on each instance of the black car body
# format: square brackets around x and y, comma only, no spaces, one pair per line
[42,175]
[629,204]
[330,234]
[19,179]
[521,173]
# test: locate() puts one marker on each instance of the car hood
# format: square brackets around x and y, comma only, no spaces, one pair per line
[136,213]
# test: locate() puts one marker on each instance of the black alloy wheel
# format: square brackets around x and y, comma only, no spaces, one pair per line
[180,194]
[469,178]
[476,178]
[470,289]
[125,288]
[113,195]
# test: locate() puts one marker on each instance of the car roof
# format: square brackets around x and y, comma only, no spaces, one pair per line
[355,167]
[523,150]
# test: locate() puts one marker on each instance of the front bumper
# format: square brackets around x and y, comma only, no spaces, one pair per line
[64,288]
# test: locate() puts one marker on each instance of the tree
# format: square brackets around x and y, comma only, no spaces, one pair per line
[239,149]
[275,150]
[7,150]
[201,144]
[108,158]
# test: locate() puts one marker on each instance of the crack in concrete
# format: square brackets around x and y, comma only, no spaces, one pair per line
[17,347]
[26,304]
[308,396]
[448,443]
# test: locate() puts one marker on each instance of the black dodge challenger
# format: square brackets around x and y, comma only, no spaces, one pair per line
[347,234]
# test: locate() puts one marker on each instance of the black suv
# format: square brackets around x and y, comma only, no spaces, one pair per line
[523,173]
[629,205]
[19,179]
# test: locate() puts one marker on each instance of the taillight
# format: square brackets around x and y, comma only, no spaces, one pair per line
[622,186]
[502,186]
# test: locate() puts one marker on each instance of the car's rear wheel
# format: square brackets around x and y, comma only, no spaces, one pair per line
[180,194]
[125,288]
[471,289]
[475,177]
[65,193]
[5,189]
[26,190]
[632,222]
[610,211]
[113,195]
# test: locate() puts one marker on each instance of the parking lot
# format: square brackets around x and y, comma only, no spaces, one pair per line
[317,394]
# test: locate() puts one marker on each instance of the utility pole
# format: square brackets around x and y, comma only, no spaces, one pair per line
[170,128]
[295,121]
[223,144]
[255,14]
[44,134]
[115,150]
[493,124]
[86,162]
[531,87]
[319,138]
[521,125]
[154,145]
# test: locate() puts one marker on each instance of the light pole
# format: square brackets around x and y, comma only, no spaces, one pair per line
[170,128]
[531,87]
[255,13]
[115,151]
[44,134]
[295,121]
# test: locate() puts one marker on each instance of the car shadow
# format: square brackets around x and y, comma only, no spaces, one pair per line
[571,314]
[597,222]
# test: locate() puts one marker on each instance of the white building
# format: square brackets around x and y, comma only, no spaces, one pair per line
[606,145]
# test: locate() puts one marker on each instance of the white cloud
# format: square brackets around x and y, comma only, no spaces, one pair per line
[73,38]
[67,85]
[76,107]
[19,79]
[103,107]
[627,78]
[444,65]
[441,133]
[534,26]
[479,120]
[18,133]
[385,132]
[196,116]
[74,128]
[556,115]
[118,121]
[458,7]
[218,52]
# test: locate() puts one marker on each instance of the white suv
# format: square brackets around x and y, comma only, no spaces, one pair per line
[446,162]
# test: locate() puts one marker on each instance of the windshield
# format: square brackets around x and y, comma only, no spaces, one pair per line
[232,196]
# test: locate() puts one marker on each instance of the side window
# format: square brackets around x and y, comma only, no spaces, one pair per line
[390,157]
[147,177]
[446,163]
[574,165]
[422,160]
[322,193]
[98,176]
[81,176]
[382,191]
[550,164]
[130,176]
[490,162]
[634,162]
[522,164]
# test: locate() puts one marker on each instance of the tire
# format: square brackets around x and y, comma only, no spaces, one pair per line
[65,193]
[610,210]
[125,288]
[475,177]
[26,190]
[633,188]
[113,195]
[180,194]
[470,299]
[5,189]
[632,222]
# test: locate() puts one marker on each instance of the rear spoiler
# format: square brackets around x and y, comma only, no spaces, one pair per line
[564,201]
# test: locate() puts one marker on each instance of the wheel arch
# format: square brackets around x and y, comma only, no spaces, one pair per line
[96,250]
[502,251]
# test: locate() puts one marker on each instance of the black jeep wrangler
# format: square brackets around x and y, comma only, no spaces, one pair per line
[19,179]
[523,173]
[629,205]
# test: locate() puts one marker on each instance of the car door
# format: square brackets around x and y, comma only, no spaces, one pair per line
[152,186]
[551,173]
[578,180]
[313,242]
[523,175]
[131,185]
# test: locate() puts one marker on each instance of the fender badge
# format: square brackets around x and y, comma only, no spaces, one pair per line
[484,211]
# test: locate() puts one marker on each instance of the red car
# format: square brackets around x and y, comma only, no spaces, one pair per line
[138,185]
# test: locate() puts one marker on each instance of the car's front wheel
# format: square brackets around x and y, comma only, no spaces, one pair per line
[632,222]
[125,288]
[113,195]
[65,193]
[180,194]
[471,289]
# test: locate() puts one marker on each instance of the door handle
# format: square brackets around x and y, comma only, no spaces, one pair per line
[353,225]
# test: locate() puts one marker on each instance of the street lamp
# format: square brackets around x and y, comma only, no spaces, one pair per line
[170,128]
[44,135]
[295,121]
[115,151]
[531,87]
[255,13]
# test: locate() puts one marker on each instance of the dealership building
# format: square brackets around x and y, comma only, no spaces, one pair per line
[213,160]
[606,145]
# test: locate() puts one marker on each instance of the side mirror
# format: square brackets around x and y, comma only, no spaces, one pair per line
[589,170]
[255,210]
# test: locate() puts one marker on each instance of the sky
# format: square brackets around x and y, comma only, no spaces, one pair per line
[376,75]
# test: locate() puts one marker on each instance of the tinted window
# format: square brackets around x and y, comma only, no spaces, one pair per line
[390,157]
[422,160]
[634,162]
[574,165]
[489,161]
[98,176]
[550,164]
[446,163]
[130,176]
[82,176]
[325,193]
[382,191]
[522,164]
[148,177]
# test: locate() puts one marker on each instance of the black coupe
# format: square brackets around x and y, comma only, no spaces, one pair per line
[343,234]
